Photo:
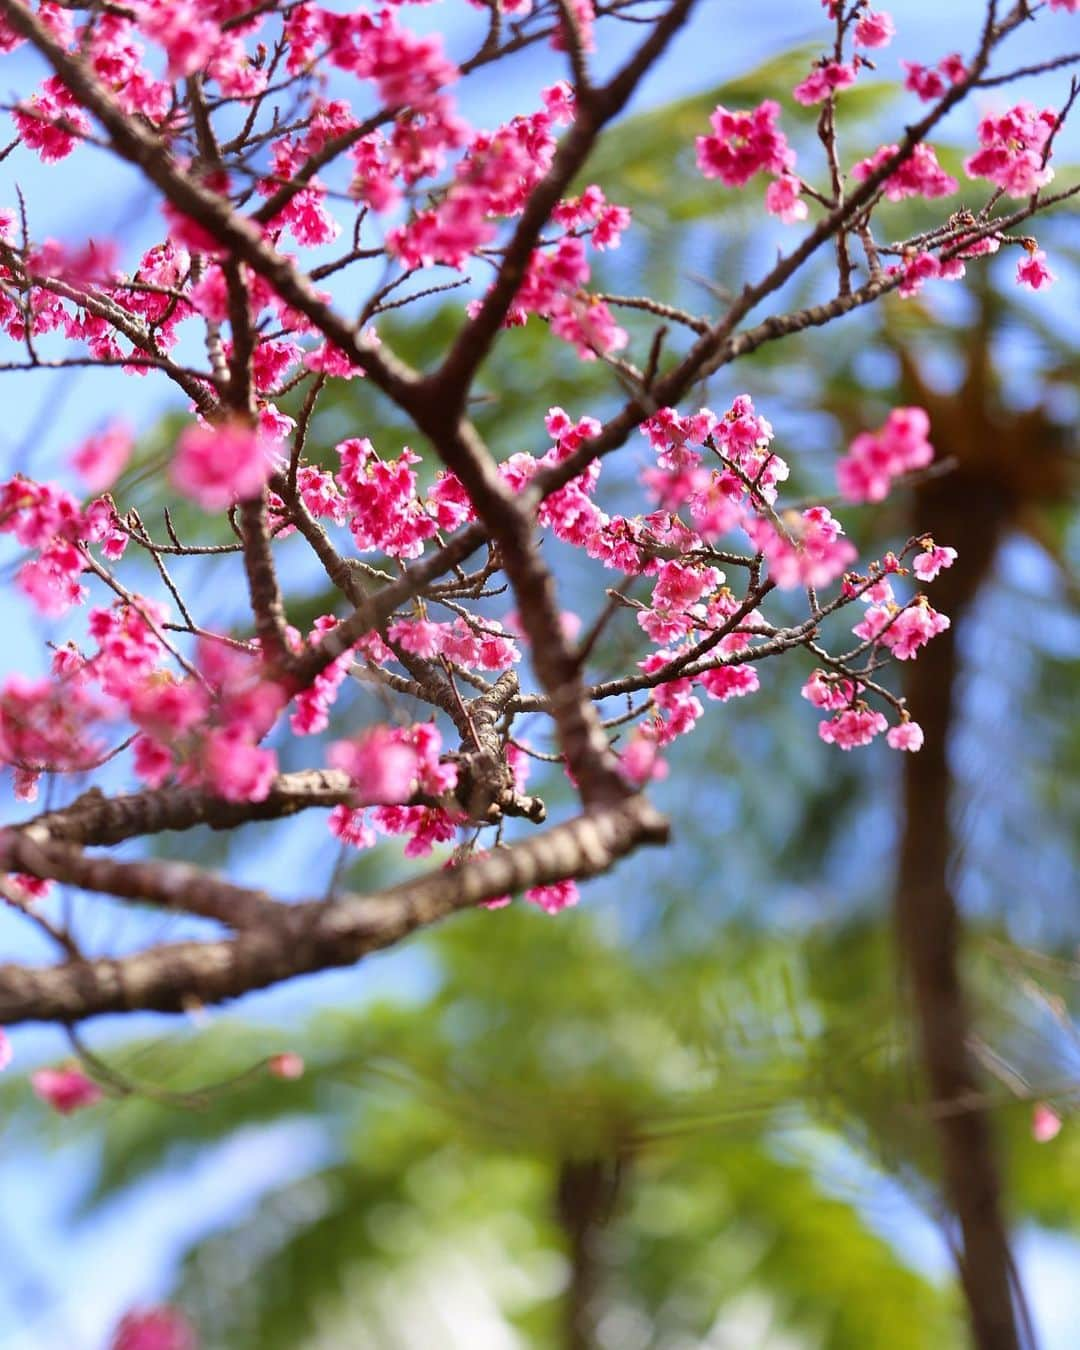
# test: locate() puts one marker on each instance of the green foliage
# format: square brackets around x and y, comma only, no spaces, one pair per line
[446,1122]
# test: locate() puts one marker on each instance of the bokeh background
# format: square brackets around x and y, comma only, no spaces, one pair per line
[687,1103]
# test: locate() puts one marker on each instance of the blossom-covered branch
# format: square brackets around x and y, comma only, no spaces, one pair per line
[201,712]
[268,132]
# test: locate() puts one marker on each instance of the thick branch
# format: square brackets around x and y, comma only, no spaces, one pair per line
[319,936]
[169,885]
[95,819]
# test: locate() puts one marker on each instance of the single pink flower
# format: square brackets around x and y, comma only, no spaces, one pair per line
[906,736]
[1033,272]
[161,1328]
[551,899]
[875,29]
[235,768]
[65,1090]
[640,761]
[929,563]
[101,459]
[218,465]
[286,1065]
[782,199]
[1045,1123]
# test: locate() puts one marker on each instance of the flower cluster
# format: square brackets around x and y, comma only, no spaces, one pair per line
[391,766]
[875,459]
[216,466]
[746,143]
[826,79]
[932,83]
[1014,150]
[920,175]
[743,144]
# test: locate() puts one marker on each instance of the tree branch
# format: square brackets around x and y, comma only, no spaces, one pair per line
[315,936]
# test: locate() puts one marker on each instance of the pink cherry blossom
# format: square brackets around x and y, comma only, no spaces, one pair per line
[160,1328]
[1014,150]
[449,503]
[916,269]
[931,84]
[50,122]
[551,899]
[383,766]
[825,79]
[679,710]
[928,84]
[218,465]
[101,458]
[640,760]
[51,580]
[1045,1123]
[782,199]
[5,1050]
[165,707]
[381,500]
[46,724]
[852,728]
[65,1090]
[930,562]
[875,29]
[724,682]
[743,144]
[499,902]
[1033,272]
[152,762]
[811,551]
[905,736]
[351,827]
[902,631]
[188,36]
[235,767]
[874,460]
[920,175]
[822,692]
[287,1065]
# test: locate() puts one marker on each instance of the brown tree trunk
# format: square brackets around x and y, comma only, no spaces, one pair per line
[585,1194]
[969,514]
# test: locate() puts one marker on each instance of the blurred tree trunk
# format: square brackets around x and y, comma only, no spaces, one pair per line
[585,1195]
[1006,464]
[970,516]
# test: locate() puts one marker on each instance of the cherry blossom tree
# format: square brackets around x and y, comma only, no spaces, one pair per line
[273,131]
